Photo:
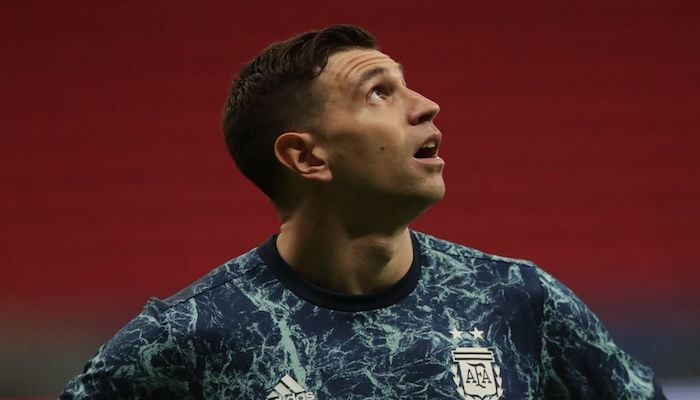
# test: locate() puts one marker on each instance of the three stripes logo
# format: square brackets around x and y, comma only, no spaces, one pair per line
[289,389]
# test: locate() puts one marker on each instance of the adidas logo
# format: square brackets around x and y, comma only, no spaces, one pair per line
[289,389]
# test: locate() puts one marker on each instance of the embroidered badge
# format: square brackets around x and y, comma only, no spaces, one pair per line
[475,371]
[289,389]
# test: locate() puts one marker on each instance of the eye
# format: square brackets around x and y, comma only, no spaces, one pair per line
[377,94]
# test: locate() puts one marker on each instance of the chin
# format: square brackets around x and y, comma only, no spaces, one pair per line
[429,196]
[437,196]
[436,191]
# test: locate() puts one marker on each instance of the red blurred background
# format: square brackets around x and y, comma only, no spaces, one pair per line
[571,139]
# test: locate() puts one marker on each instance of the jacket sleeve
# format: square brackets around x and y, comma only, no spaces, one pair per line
[583,360]
[141,361]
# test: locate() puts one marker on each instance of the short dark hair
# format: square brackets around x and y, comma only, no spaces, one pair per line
[274,93]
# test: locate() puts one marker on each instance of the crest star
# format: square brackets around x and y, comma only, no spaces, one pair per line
[476,333]
[456,333]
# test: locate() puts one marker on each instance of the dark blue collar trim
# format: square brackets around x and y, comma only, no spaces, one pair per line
[336,300]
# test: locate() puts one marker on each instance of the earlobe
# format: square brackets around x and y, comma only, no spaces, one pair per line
[298,152]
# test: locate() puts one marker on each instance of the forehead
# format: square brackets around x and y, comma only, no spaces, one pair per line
[347,67]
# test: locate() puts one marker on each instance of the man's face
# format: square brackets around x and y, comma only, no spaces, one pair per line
[379,134]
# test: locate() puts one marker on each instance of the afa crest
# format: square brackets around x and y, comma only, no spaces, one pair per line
[476,374]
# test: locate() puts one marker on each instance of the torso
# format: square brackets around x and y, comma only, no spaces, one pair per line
[468,327]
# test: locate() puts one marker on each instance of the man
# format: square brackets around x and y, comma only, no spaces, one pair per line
[346,302]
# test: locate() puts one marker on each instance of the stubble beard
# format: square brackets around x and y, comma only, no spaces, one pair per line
[376,210]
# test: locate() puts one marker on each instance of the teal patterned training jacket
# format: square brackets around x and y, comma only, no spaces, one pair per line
[460,325]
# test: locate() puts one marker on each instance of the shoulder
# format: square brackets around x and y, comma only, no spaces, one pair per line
[456,258]
[224,300]
[162,320]
[457,268]
[153,352]
[227,279]
[435,246]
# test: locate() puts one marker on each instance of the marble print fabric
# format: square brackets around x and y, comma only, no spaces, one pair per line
[474,326]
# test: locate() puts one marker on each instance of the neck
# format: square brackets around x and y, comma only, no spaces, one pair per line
[333,253]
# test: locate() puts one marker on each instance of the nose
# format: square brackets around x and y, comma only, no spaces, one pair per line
[423,109]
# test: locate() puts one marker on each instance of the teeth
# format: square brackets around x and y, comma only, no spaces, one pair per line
[429,146]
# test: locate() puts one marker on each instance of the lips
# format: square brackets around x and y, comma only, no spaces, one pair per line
[427,151]
[429,148]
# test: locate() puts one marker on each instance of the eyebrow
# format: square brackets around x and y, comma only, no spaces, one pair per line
[371,73]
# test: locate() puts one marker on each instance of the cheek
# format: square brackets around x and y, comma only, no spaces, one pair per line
[363,160]
[360,146]
[369,142]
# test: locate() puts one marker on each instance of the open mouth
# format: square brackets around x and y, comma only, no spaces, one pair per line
[429,150]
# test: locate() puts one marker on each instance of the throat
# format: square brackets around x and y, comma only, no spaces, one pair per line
[348,265]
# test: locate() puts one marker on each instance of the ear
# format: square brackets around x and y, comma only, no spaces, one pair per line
[298,152]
